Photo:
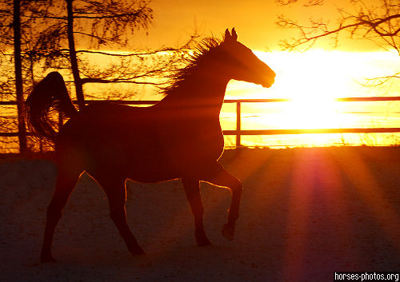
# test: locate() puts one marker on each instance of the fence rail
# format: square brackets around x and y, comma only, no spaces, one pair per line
[238,132]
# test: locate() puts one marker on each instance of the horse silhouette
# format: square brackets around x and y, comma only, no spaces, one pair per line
[180,137]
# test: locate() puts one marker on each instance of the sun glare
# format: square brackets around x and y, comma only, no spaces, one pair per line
[313,80]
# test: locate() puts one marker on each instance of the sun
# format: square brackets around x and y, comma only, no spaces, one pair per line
[310,113]
[312,81]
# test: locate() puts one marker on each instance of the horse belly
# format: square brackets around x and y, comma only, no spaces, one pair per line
[194,149]
[148,163]
[139,158]
[132,154]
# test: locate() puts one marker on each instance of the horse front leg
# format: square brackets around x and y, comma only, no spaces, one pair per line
[192,191]
[220,177]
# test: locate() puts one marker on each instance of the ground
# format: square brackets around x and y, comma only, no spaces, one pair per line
[305,214]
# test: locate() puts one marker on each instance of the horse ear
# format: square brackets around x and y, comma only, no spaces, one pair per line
[234,34]
[228,36]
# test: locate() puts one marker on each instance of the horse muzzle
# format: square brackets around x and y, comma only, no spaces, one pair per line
[268,82]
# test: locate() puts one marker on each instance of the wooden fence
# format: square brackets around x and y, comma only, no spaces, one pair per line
[238,132]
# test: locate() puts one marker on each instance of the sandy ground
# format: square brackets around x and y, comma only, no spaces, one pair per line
[305,213]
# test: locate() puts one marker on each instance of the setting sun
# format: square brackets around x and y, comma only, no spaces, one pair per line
[312,81]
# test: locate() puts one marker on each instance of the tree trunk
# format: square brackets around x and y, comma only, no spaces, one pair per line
[18,77]
[72,55]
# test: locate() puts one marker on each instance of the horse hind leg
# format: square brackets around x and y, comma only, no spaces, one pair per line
[66,181]
[116,193]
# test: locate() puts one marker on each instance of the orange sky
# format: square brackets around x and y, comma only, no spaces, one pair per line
[175,20]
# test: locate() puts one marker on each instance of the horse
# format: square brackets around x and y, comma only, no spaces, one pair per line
[180,137]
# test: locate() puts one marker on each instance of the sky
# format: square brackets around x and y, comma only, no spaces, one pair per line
[255,21]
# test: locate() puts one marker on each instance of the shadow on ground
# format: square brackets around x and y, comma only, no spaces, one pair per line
[305,214]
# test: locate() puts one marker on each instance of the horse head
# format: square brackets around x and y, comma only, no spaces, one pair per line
[240,63]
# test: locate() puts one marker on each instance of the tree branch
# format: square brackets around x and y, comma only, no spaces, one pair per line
[374,24]
[116,80]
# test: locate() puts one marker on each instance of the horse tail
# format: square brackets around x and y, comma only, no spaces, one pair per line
[49,95]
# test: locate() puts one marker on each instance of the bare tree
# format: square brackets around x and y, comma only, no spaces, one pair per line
[99,25]
[11,39]
[14,40]
[378,21]
[18,75]
[96,23]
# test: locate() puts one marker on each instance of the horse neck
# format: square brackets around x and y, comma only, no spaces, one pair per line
[202,91]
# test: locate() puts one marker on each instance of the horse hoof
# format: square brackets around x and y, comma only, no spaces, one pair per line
[47,259]
[138,252]
[202,239]
[228,232]
[203,243]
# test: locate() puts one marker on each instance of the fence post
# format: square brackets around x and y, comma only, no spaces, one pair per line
[238,125]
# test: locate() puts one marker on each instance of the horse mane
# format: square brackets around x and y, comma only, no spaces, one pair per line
[201,52]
